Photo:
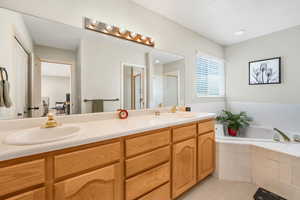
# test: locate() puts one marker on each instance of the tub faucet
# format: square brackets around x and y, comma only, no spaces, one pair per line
[284,136]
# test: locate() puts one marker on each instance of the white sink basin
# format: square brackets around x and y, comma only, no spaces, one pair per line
[41,135]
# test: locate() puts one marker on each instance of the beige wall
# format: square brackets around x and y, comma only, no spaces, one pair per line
[101,61]
[270,105]
[11,26]
[168,35]
[285,44]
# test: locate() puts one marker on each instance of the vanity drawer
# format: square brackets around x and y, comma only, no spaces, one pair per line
[184,132]
[144,183]
[38,194]
[205,127]
[78,161]
[147,161]
[161,193]
[146,143]
[21,176]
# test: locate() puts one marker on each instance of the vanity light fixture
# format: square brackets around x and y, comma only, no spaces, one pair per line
[115,31]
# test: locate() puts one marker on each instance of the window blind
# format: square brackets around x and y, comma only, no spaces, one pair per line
[209,76]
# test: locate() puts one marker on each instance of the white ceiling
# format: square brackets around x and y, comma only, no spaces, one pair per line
[218,20]
[53,34]
[164,57]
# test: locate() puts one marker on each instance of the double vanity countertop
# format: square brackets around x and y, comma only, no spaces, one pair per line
[100,130]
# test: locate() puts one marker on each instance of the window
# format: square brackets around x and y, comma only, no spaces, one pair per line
[209,76]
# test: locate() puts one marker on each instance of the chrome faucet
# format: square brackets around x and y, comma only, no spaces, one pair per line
[283,135]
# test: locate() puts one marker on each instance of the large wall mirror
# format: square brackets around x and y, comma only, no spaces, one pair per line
[52,67]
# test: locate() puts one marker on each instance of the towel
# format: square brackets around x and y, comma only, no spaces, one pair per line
[6,96]
[2,104]
[97,106]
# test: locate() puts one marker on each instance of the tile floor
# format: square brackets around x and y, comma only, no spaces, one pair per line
[215,189]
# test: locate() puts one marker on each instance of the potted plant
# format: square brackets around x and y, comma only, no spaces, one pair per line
[234,122]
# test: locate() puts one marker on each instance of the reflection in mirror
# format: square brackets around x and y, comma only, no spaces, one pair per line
[133,87]
[53,67]
[56,88]
[167,79]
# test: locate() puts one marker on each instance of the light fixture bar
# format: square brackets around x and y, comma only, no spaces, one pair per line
[114,31]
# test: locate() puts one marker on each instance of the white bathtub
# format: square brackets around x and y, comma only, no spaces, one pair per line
[252,133]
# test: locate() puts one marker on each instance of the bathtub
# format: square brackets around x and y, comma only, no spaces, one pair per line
[252,133]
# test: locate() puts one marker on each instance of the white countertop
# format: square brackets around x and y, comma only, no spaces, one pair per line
[97,131]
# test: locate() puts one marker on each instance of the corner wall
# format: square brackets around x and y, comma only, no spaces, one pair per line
[270,105]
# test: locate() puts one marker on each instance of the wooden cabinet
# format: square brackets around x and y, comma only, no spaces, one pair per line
[156,165]
[206,155]
[38,194]
[104,184]
[21,176]
[184,166]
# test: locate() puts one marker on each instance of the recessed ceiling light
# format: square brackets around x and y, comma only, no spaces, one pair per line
[240,32]
[157,61]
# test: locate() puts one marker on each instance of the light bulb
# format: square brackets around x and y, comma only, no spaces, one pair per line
[94,22]
[122,31]
[143,37]
[109,28]
[133,34]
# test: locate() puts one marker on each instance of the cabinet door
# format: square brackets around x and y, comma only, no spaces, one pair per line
[101,184]
[206,155]
[184,166]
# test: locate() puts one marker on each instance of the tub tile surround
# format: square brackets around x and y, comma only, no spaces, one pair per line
[93,128]
[255,163]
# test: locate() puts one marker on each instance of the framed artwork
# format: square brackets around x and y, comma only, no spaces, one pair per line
[266,71]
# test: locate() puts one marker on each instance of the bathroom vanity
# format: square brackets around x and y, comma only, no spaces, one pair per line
[151,164]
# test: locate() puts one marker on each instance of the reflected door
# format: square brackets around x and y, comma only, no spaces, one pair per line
[19,86]
[137,94]
[170,90]
[133,91]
